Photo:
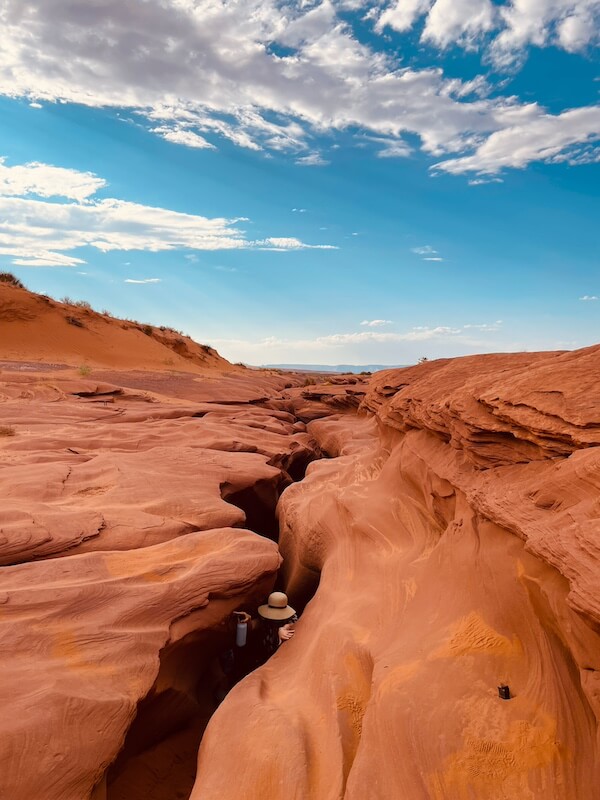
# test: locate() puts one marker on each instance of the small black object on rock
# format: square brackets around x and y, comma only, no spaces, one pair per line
[504,692]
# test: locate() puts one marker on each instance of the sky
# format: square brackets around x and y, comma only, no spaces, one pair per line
[338,181]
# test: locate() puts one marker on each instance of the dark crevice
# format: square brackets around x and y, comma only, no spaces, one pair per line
[158,758]
[259,503]
[159,755]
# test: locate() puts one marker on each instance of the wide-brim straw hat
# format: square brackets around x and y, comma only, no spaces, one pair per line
[276,607]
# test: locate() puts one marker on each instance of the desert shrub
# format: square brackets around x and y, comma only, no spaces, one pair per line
[83,304]
[84,370]
[8,277]
[7,430]
[68,301]
[309,382]
[74,321]
[241,364]
[147,329]
[105,312]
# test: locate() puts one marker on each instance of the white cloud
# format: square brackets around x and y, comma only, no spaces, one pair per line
[144,280]
[458,21]
[284,243]
[424,250]
[506,30]
[484,181]
[37,233]
[181,136]
[485,326]
[402,14]
[46,181]
[376,323]
[394,149]
[589,297]
[570,24]
[312,160]
[208,67]
[427,253]
[542,138]
[355,347]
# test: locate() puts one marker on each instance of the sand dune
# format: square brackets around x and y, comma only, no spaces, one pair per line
[36,328]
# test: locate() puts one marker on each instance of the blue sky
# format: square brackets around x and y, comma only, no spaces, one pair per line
[334,182]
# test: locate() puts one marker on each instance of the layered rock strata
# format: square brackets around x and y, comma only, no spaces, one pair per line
[125,548]
[451,542]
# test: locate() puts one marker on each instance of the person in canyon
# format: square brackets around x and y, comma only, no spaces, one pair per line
[273,626]
[256,639]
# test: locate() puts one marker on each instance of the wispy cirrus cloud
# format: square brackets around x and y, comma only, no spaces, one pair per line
[38,230]
[588,297]
[427,253]
[376,323]
[185,137]
[143,280]
[419,333]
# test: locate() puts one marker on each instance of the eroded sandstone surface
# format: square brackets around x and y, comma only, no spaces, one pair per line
[438,528]
[450,543]
[133,522]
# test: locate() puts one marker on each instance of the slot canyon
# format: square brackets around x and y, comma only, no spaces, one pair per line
[437,526]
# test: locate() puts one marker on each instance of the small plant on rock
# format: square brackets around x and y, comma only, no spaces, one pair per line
[84,370]
[8,277]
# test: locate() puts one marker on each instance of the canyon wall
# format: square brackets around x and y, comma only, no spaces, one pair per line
[450,543]
[132,524]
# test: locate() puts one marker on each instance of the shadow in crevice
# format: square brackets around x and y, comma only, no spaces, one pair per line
[259,504]
[158,758]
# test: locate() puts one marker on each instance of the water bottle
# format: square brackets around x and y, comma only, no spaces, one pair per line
[241,633]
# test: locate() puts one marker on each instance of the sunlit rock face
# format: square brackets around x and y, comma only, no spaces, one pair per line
[450,544]
[131,527]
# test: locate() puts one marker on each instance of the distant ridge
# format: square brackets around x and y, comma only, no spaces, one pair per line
[36,328]
[355,368]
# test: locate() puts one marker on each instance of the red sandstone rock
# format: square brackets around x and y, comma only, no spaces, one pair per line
[82,636]
[453,550]
[448,544]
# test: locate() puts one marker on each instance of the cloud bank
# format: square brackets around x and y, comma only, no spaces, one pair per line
[38,230]
[272,74]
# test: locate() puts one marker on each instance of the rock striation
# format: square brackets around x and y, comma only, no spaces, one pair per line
[439,530]
[132,524]
[450,543]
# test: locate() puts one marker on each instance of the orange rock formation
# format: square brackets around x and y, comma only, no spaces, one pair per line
[451,544]
[447,543]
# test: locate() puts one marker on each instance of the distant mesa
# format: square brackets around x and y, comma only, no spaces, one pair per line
[354,368]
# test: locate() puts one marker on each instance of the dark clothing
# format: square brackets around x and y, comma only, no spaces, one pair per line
[263,642]
[269,634]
